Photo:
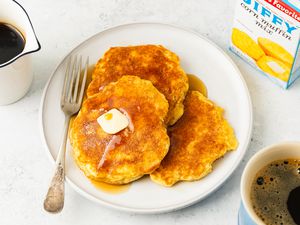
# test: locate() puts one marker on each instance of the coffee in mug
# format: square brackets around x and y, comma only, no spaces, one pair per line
[275,192]
[270,186]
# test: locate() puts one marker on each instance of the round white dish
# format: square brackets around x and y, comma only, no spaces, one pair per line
[199,56]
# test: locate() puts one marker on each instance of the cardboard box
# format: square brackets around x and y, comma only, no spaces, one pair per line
[266,34]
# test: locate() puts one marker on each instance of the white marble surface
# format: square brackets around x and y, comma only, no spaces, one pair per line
[61,25]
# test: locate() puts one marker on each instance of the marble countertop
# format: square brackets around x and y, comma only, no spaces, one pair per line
[60,26]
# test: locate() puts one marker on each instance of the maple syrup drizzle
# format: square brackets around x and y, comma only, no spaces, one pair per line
[130,126]
[115,140]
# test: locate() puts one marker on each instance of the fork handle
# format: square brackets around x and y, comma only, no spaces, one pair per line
[54,201]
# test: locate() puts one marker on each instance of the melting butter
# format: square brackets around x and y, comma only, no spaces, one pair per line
[113,121]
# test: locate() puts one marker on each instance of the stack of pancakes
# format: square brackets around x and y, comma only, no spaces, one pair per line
[174,134]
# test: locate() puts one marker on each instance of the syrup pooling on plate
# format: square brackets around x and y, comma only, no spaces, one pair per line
[195,84]
[110,188]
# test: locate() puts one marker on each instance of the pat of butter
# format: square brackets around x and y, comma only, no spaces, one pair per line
[275,67]
[113,121]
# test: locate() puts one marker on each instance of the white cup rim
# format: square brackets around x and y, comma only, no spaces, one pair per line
[250,165]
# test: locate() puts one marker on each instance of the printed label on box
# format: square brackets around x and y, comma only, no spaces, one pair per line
[266,34]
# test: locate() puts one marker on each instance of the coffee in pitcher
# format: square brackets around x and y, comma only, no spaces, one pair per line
[12,42]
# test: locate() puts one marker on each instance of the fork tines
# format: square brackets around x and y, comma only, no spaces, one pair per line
[75,80]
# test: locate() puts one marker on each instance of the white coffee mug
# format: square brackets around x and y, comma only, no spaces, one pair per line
[285,150]
[16,74]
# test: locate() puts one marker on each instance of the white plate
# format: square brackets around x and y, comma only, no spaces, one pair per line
[198,56]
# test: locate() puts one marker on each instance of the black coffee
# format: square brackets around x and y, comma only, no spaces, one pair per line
[275,192]
[293,204]
[12,42]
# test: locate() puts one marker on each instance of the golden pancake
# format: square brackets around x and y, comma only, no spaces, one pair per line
[150,62]
[138,149]
[200,136]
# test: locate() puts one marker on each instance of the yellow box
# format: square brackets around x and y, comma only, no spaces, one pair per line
[266,34]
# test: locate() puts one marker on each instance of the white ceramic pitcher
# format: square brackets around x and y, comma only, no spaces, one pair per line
[16,74]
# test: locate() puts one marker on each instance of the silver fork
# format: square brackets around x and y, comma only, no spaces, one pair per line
[70,103]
